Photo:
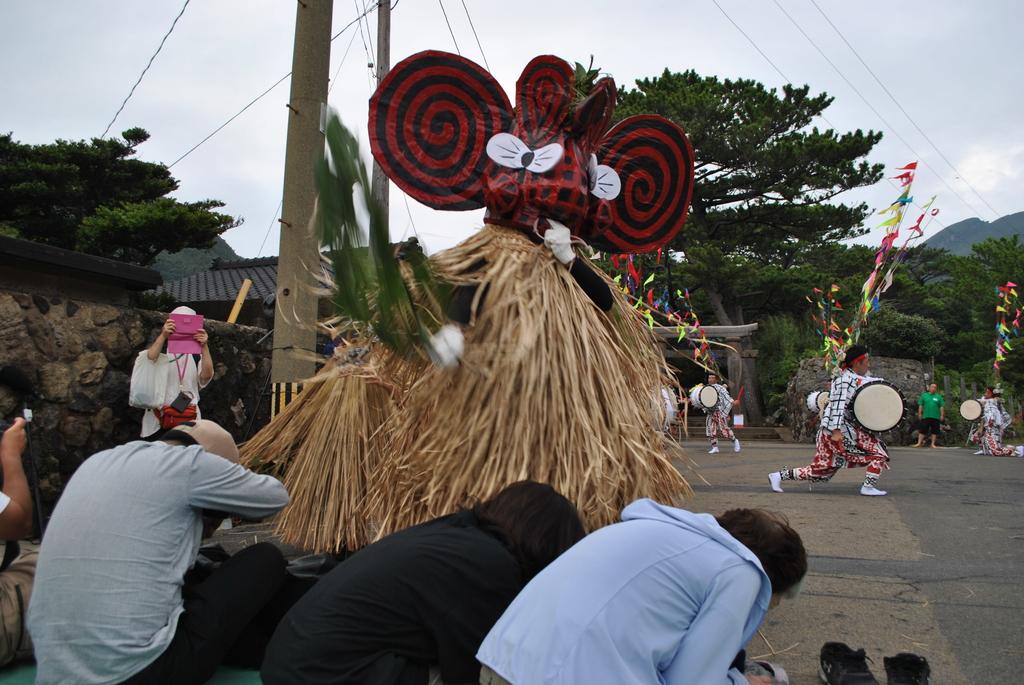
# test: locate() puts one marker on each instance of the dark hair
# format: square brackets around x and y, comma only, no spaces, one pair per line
[775,544]
[534,520]
[852,354]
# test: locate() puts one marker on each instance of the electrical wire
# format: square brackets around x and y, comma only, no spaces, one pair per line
[334,79]
[452,33]
[233,117]
[369,33]
[370,63]
[260,96]
[905,113]
[892,129]
[751,41]
[272,222]
[767,58]
[476,36]
[148,65]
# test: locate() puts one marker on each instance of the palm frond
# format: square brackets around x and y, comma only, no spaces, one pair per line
[370,287]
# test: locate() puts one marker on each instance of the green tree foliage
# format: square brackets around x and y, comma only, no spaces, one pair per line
[96,198]
[765,180]
[782,341]
[894,334]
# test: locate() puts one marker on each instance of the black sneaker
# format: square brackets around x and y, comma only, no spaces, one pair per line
[906,669]
[840,665]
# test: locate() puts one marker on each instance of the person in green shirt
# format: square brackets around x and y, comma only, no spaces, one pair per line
[931,411]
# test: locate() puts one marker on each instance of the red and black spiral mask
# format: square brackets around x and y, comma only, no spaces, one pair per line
[444,131]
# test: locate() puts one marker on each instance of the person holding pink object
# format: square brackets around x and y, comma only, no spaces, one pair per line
[186,375]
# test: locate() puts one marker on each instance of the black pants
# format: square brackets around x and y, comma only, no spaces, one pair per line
[930,427]
[219,611]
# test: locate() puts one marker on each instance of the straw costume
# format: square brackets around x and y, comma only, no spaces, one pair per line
[557,376]
[325,444]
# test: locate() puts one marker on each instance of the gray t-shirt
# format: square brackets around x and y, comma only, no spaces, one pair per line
[108,584]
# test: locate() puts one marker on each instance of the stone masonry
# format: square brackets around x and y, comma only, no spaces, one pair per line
[79,355]
[906,374]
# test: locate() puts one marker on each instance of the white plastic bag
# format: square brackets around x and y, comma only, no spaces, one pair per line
[149,382]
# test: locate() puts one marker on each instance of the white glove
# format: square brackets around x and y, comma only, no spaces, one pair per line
[558,240]
[445,347]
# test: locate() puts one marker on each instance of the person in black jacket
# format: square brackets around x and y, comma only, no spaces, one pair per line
[415,606]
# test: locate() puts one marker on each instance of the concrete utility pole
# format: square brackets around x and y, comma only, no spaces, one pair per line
[296,311]
[379,184]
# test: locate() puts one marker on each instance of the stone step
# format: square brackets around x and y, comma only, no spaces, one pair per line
[744,433]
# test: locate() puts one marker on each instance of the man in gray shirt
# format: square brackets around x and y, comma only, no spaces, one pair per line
[111,603]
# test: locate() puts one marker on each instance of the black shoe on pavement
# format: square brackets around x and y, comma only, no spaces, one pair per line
[906,669]
[841,665]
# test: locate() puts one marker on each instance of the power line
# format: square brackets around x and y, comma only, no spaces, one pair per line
[260,96]
[411,222]
[369,58]
[148,64]
[449,27]
[369,33]
[892,129]
[476,36]
[905,113]
[272,222]
[233,117]
[334,79]
[767,58]
[751,41]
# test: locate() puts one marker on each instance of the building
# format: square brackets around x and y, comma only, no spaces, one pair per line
[48,271]
[212,292]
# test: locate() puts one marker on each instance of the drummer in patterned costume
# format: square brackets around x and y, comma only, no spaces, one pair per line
[994,421]
[840,442]
[717,422]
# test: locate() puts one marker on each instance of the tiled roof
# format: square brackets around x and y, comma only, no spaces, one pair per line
[222,281]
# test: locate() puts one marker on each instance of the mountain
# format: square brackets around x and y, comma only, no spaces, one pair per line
[191,260]
[959,237]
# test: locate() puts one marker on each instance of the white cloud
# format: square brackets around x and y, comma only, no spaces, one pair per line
[991,168]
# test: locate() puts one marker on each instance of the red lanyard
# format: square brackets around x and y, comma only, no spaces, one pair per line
[181,370]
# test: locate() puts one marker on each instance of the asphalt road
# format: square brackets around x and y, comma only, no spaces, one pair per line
[936,567]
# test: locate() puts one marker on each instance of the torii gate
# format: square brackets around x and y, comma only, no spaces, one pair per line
[741,365]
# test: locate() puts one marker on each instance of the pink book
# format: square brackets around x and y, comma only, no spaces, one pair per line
[185,327]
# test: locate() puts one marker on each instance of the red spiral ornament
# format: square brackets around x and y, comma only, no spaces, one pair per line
[543,96]
[654,161]
[430,120]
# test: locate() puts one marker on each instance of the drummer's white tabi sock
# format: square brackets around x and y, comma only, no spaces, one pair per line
[870,480]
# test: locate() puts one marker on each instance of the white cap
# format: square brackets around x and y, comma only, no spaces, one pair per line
[212,438]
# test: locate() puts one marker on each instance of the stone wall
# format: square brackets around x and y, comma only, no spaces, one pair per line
[79,356]
[906,374]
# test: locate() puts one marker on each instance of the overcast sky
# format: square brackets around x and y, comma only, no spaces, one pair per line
[954,66]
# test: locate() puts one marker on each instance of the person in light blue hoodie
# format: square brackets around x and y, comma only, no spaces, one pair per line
[665,597]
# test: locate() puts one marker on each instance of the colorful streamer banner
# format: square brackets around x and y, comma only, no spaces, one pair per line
[833,337]
[1006,302]
[650,304]
[889,256]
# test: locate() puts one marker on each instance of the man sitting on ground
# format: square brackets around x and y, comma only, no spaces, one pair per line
[111,603]
[16,570]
